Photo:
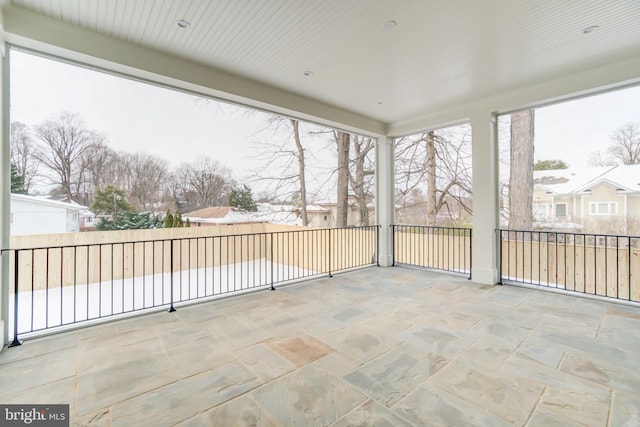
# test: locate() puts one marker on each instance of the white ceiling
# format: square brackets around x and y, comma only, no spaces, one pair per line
[441,53]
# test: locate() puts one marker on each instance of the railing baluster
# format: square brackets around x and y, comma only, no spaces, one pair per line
[16,308]
[171,307]
[298,253]
[564,253]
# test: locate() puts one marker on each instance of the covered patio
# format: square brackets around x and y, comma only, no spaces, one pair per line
[377,346]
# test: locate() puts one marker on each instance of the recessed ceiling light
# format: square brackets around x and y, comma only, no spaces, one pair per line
[390,25]
[308,73]
[591,29]
[183,24]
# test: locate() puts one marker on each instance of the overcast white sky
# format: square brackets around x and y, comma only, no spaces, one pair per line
[175,126]
[135,117]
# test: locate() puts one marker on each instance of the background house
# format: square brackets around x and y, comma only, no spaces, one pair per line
[39,215]
[603,199]
[283,214]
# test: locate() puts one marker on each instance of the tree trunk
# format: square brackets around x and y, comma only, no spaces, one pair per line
[521,171]
[431,180]
[361,147]
[303,184]
[342,140]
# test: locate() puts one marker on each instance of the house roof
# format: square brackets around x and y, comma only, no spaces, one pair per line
[48,202]
[565,181]
[626,177]
[212,212]
[574,180]
[231,215]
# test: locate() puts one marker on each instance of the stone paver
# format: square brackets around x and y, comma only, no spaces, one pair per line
[374,347]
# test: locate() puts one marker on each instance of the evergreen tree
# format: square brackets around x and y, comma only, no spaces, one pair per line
[188,223]
[111,201]
[177,220]
[168,220]
[542,165]
[242,198]
[130,221]
[17,181]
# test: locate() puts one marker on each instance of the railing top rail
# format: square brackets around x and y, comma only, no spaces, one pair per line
[169,239]
[567,233]
[431,226]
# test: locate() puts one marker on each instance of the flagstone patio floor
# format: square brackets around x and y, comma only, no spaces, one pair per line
[373,347]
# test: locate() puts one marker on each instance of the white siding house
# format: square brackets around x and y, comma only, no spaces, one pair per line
[602,200]
[39,215]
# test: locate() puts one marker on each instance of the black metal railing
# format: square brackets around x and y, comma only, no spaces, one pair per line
[60,286]
[438,248]
[596,264]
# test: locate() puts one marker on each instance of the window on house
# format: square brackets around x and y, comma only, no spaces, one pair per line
[89,220]
[561,210]
[603,208]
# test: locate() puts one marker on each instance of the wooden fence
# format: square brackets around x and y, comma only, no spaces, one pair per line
[598,265]
[71,259]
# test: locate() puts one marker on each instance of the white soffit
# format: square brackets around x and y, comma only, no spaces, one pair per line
[441,53]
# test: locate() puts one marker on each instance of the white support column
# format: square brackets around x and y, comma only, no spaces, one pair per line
[385,199]
[485,198]
[5,187]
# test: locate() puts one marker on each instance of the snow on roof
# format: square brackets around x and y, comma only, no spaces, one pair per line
[317,208]
[45,201]
[567,181]
[214,215]
[564,181]
[626,177]
[212,212]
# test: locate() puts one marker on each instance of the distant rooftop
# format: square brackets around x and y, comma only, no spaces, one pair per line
[573,180]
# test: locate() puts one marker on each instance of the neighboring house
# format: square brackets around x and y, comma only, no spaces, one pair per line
[282,214]
[320,216]
[603,199]
[218,215]
[87,220]
[228,215]
[39,215]
[353,212]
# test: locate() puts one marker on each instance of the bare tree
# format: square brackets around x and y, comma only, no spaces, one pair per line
[432,210]
[521,170]
[295,125]
[440,159]
[624,148]
[66,148]
[600,159]
[284,158]
[22,154]
[343,141]
[146,177]
[360,174]
[626,144]
[202,183]
[104,168]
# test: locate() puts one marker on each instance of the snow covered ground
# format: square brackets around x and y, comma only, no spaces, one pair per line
[66,305]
